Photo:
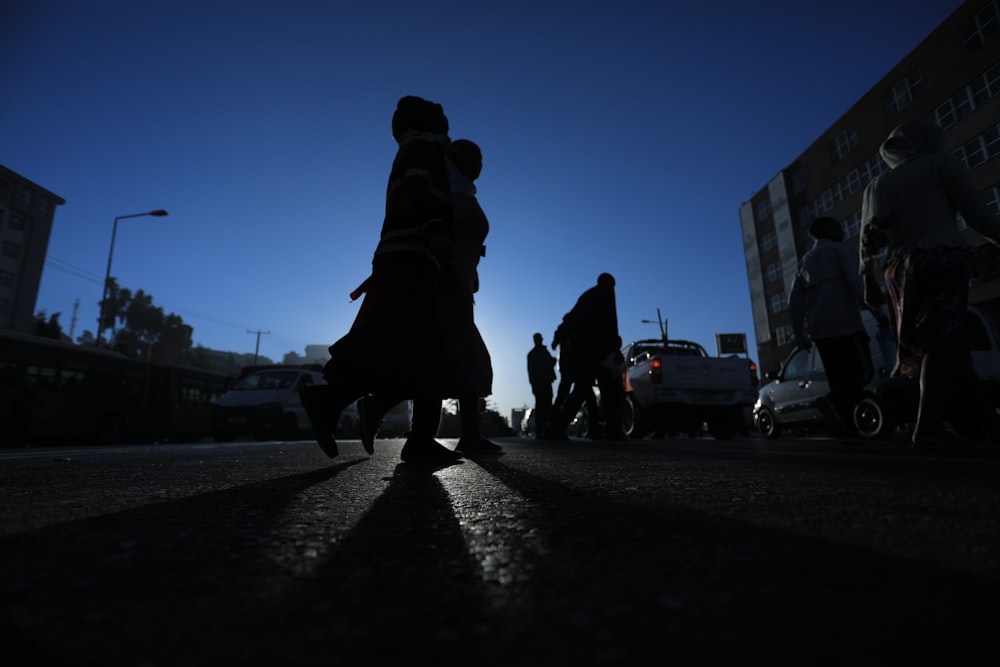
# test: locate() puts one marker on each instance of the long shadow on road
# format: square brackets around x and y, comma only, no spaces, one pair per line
[221,577]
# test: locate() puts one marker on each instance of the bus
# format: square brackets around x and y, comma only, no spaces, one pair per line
[52,391]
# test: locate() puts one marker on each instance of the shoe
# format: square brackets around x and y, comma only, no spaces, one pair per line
[427,451]
[316,399]
[370,422]
[481,446]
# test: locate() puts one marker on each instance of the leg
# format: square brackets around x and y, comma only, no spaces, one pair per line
[613,395]
[472,441]
[938,388]
[420,446]
[323,404]
[371,410]
[847,362]
[543,406]
[556,428]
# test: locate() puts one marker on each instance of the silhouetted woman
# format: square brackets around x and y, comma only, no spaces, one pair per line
[398,344]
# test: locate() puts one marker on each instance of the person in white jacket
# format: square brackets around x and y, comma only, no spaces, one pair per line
[825,307]
[909,233]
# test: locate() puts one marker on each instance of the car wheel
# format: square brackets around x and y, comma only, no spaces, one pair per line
[631,421]
[872,420]
[767,424]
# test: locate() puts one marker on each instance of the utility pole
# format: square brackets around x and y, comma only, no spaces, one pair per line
[259,334]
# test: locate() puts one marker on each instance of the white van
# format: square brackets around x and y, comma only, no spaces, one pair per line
[265,405]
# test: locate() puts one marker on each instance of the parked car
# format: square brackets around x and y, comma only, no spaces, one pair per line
[265,405]
[788,400]
[893,402]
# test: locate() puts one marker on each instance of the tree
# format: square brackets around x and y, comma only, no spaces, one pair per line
[112,309]
[140,329]
[50,327]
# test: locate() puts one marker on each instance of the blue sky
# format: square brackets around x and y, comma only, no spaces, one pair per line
[617,136]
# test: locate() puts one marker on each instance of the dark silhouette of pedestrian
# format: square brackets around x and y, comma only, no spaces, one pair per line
[541,375]
[591,328]
[413,276]
[825,305]
[909,233]
[569,369]
[465,164]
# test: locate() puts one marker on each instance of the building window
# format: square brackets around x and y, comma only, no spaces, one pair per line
[990,85]
[992,197]
[800,180]
[6,279]
[843,143]
[980,149]
[982,89]
[768,241]
[773,271]
[23,198]
[825,202]
[17,223]
[852,182]
[983,25]
[778,303]
[902,94]
[763,210]
[10,249]
[853,225]
[784,335]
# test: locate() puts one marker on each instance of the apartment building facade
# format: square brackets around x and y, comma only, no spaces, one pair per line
[26,214]
[951,78]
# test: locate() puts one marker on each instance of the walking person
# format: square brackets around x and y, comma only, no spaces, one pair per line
[569,368]
[413,273]
[909,213]
[825,306]
[541,375]
[591,328]
[471,227]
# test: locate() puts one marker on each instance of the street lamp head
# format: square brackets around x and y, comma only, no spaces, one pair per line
[159,213]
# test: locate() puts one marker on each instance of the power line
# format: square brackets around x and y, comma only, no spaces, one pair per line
[84,274]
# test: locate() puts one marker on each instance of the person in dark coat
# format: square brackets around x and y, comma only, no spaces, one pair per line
[413,275]
[591,328]
[569,369]
[465,164]
[541,375]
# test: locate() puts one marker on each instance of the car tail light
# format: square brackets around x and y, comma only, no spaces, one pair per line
[656,371]
[754,380]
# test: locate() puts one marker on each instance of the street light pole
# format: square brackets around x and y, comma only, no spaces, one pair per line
[159,213]
[661,322]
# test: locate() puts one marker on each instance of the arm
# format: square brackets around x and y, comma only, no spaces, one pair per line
[797,310]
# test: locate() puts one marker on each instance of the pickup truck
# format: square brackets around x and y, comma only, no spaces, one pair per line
[674,386]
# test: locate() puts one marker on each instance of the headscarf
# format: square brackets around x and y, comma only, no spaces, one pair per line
[910,140]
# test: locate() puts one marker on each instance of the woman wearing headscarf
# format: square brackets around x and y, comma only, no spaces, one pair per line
[398,344]
[909,231]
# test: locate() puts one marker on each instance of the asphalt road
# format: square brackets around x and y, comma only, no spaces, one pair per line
[688,552]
